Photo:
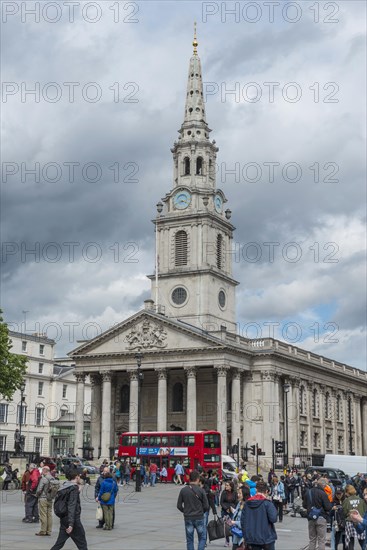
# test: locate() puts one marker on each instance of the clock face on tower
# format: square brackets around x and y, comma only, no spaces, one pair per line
[182,199]
[218,203]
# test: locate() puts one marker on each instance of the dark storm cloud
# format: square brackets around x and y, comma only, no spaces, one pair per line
[106,212]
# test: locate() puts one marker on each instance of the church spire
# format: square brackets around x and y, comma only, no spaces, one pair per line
[194,117]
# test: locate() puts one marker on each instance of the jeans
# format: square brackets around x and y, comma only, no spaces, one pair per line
[152,479]
[197,525]
[337,537]
[317,533]
[206,519]
[31,507]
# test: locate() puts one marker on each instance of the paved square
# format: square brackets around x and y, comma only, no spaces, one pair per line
[144,521]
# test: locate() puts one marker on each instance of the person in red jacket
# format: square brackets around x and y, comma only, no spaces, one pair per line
[24,485]
[31,504]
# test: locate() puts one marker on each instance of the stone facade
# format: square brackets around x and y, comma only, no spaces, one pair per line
[198,373]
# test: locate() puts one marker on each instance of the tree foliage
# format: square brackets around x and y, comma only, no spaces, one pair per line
[12,366]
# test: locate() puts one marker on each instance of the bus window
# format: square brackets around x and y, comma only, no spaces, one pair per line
[165,462]
[134,440]
[188,440]
[212,441]
[156,460]
[155,441]
[126,441]
[144,441]
[175,440]
[185,461]
[164,440]
[211,458]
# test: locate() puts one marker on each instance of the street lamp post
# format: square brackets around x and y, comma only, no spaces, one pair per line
[286,388]
[22,390]
[138,357]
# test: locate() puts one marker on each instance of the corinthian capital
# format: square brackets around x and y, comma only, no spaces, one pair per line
[190,372]
[106,376]
[80,377]
[222,370]
[162,373]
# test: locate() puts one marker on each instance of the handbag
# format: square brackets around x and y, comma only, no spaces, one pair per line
[215,529]
[99,513]
[236,531]
[105,497]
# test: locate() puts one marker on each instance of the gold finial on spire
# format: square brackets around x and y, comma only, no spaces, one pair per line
[195,42]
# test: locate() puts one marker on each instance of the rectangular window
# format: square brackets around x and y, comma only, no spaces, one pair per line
[40,368]
[175,440]
[64,390]
[22,414]
[24,345]
[40,388]
[38,444]
[39,416]
[211,458]
[126,441]
[42,349]
[2,442]
[4,412]
[188,440]
[155,441]
[212,441]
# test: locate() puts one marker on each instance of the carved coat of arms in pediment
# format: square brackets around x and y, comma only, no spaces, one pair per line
[147,335]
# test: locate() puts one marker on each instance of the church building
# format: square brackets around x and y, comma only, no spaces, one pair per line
[198,372]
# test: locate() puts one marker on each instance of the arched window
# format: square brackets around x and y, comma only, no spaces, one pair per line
[199,166]
[327,405]
[339,412]
[302,400]
[125,399]
[219,252]
[186,166]
[315,403]
[177,397]
[181,248]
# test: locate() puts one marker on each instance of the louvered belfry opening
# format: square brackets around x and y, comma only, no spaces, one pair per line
[219,252]
[180,248]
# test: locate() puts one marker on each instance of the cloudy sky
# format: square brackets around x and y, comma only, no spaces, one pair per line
[284,87]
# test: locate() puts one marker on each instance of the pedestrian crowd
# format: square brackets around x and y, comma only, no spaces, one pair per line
[245,509]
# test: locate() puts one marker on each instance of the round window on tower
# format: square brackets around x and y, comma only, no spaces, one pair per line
[222,299]
[179,296]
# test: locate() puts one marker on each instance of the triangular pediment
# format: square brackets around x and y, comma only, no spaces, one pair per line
[147,331]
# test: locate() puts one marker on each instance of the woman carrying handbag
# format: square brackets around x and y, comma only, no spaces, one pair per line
[228,502]
[235,523]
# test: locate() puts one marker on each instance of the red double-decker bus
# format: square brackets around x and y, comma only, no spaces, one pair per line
[168,448]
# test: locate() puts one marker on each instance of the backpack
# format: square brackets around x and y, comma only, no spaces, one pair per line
[52,489]
[314,512]
[61,504]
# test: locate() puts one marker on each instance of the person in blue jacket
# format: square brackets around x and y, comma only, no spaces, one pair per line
[252,484]
[257,520]
[107,496]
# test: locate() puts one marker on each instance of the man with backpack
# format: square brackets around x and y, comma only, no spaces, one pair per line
[46,492]
[318,507]
[67,508]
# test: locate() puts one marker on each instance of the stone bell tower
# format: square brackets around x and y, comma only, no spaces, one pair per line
[193,228]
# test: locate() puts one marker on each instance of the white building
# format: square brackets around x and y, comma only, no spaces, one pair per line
[50,393]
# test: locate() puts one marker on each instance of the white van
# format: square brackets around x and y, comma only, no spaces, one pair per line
[229,466]
[350,464]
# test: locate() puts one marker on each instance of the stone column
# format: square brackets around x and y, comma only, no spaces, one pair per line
[270,411]
[96,414]
[133,409]
[162,400]
[310,416]
[191,399]
[322,422]
[357,425]
[247,424]
[334,421]
[364,424]
[293,418]
[236,406]
[79,414]
[222,404]
[106,415]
